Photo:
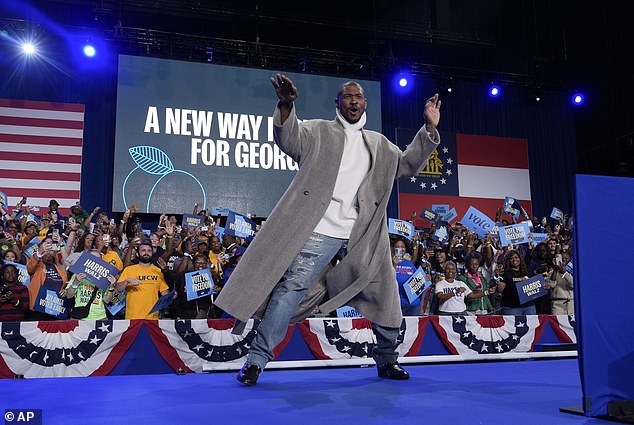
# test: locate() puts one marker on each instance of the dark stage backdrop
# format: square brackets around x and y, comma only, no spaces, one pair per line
[548,126]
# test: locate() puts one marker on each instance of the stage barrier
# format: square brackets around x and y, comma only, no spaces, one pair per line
[125,347]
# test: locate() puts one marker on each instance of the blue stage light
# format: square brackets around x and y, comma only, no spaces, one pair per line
[494,91]
[89,50]
[28,48]
[577,99]
[402,82]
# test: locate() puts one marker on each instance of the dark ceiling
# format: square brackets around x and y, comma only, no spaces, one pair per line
[556,45]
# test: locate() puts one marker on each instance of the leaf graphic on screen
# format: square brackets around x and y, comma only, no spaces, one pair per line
[151,160]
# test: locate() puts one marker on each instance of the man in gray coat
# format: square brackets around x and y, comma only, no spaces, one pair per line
[334,207]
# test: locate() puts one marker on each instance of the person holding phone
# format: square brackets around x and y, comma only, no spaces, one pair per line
[45,271]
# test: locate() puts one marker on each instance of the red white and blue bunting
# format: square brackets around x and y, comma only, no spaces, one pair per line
[190,344]
[564,327]
[330,339]
[477,335]
[64,348]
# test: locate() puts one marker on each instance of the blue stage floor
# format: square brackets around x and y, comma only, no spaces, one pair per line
[519,392]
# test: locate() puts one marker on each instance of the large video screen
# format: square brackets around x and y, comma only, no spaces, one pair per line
[201,133]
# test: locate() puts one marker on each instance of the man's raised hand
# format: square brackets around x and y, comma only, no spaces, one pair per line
[285,89]
[432,112]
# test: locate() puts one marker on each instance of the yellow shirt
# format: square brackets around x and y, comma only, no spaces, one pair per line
[140,299]
[213,259]
[113,258]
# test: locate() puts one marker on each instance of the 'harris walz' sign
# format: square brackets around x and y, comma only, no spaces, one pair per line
[531,289]
[95,269]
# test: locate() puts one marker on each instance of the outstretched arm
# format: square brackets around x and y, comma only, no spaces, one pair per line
[286,93]
[425,142]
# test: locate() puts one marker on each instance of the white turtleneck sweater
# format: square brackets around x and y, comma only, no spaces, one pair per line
[343,211]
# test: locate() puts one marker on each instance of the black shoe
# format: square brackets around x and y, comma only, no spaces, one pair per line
[392,371]
[249,373]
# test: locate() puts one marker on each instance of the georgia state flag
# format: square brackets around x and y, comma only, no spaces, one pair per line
[467,170]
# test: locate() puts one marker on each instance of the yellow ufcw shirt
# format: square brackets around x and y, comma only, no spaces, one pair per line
[140,299]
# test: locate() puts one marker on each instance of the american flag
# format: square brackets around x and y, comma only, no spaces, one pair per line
[40,152]
[467,170]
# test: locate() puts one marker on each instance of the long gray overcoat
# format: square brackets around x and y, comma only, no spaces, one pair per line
[365,278]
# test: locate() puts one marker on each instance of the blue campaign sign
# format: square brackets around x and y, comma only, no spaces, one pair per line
[220,231]
[4,201]
[163,302]
[512,207]
[440,209]
[400,227]
[441,233]
[48,302]
[428,215]
[348,312]
[219,211]
[557,214]
[199,284]
[117,303]
[515,234]
[192,221]
[416,285]
[532,288]
[452,214]
[95,269]
[32,247]
[239,226]
[539,237]
[569,267]
[23,275]
[477,222]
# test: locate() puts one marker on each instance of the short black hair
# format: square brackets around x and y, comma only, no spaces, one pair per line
[349,83]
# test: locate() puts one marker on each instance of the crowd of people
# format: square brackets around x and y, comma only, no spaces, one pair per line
[469,274]
[150,260]
[478,276]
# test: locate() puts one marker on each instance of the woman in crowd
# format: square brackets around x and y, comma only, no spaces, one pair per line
[14,297]
[404,269]
[452,293]
[476,281]
[514,271]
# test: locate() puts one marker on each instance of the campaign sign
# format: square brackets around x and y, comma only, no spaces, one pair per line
[199,284]
[400,227]
[532,288]
[557,214]
[95,269]
[220,231]
[440,209]
[416,285]
[163,302]
[48,302]
[23,275]
[477,222]
[512,207]
[451,214]
[117,303]
[429,215]
[192,221]
[239,226]
[441,233]
[30,248]
[569,267]
[495,231]
[4,201]
[515,234]
[348,312]
[539,237]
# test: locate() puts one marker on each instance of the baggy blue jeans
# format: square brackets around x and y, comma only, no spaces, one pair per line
[307,266]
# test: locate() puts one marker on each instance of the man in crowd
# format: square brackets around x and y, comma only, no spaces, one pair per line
[335,205]
[143,283]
